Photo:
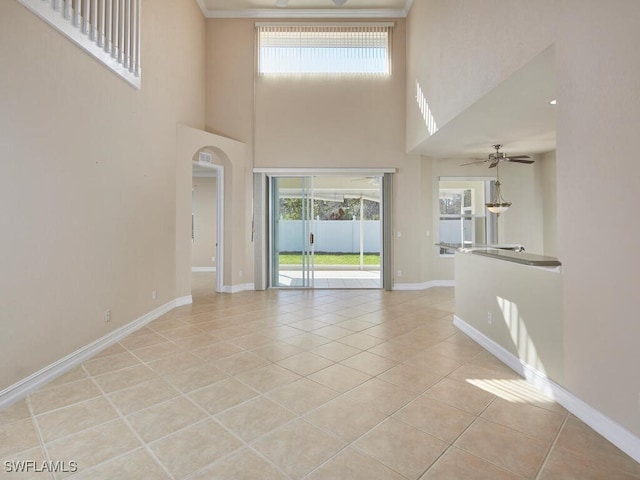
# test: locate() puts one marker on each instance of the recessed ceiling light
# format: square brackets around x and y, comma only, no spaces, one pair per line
[552,102]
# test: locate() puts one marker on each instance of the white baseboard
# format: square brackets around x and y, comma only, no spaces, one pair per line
[608,428]
[181,301]
[238,288]
[21,389]
[203,269]
[424,285]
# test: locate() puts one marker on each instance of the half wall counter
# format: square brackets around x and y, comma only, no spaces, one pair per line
[511,303]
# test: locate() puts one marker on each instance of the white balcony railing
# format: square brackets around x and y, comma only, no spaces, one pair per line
[107,29]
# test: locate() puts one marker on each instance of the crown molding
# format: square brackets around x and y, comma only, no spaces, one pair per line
[307,13]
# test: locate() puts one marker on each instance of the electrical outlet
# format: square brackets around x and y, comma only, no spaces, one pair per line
[399,234]
[107,316]
[399,273]
[213,259]
[428,233]
[489,318]
[240,274]
[153,295]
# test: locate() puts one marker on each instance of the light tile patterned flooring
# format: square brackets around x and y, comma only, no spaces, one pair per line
[303,384]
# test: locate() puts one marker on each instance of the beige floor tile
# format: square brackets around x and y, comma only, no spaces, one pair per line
[255,418]
[142,396]
[156,352]
[302,395]
[333,332]
[455,351]
[251,341]
[193,448]
[457,464]
[361,341]
[217,351]
[276,351]
[308,324]
[469,370]
[298,447]
[140,341]
[382,396]
[504,447]
[17,411]
[194,378]
[175,363]
[63,395]
[14,467]
[240,362]
[181,332]
[369,363]
[579,439]
[135,465]
[77,373]
[356,325]
[305,363]
[268,378]
[395,351]
[93,446]
[66,421]
[340,378]
[18,436]
[402,448]
[165,418]
[533,421]
[336,351]
[244,464]
[166,323]
[436,418]
[222,395]
[353,465]
[127,377]
[461,395]
[434,363]
[197,341]
[280,332]
[101,365]
[564,465]
[345,417]
[307,341]
[410,378]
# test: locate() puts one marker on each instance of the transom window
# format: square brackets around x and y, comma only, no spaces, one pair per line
[322,49]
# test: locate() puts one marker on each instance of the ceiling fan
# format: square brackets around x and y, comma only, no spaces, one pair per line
[285,3]
[498,156]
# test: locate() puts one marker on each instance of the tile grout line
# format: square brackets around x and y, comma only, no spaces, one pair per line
[36,425]
[545,460]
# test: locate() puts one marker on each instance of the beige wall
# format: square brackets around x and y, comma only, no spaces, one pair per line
[320,123]
[87,180]
[550,204]
[597,73]
[205,216]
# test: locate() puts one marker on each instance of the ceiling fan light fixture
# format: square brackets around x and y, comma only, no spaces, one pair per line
[498,204]
[282,3]
[339,3]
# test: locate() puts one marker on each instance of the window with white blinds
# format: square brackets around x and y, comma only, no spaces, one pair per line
[327,49]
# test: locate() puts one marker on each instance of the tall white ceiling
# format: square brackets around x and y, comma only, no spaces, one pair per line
[305,9]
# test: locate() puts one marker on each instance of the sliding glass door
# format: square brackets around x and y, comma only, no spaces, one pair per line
[292,232]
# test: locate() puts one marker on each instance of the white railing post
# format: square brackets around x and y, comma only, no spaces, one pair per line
[108,29]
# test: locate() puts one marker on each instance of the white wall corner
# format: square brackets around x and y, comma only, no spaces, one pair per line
[242,287]
[609,429]
[21,389]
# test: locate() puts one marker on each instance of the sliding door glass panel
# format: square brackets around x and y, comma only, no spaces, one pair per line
[292,245]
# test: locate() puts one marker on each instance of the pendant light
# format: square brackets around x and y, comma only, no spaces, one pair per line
[498,204]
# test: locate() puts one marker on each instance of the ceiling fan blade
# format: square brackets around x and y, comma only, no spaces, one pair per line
[518,160]
[473,163]
[518,156]
[494,164]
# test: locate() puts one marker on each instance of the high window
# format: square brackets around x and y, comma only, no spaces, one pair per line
[324,49]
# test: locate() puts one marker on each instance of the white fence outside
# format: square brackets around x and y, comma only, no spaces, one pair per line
[333,236]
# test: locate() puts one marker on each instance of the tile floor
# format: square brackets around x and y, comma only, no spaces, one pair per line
[302,384]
